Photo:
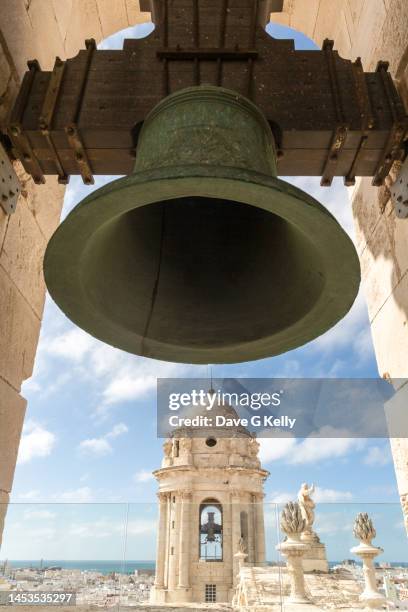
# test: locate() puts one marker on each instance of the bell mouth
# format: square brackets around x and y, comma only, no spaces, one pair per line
[200,268]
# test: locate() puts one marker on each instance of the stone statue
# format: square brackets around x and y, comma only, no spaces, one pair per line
[253,448]
[167,448]
[315,558]
[241,545]
[186,445]
[167,451]
[307,505]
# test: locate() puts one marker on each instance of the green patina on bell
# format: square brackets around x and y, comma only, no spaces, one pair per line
[203,255]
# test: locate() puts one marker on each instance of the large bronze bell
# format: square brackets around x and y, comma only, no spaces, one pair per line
[203,255]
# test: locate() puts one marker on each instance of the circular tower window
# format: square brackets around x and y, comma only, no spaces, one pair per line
[211,442]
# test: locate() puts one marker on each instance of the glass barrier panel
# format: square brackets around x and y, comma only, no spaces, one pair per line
[185,549]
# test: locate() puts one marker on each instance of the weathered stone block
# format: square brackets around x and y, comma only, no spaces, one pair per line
[4,219]
[135,15]
[4,499]
[281,18]
[44,201]
[43,19]
[18,34]
[304,16]
[384,261]
[391,41]
[19,331]
[5,73]
[366,211]
[390,333]
[112,18]
[22,256]
[84,23]
[378,269]
[12,410]
[62,12]
[327,22]
[356,7]
[368,31]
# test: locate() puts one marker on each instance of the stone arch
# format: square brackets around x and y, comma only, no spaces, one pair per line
[372,29]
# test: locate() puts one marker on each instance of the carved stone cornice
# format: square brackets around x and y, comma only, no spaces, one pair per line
[186,495]
[163,496]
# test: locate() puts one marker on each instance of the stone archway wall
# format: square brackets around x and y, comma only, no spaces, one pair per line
[374,30]
[39,29]
[42,29]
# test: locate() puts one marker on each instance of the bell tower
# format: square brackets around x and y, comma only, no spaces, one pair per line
[210,507]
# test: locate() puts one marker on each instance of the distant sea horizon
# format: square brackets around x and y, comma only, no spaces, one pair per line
[103,567]
[117,566]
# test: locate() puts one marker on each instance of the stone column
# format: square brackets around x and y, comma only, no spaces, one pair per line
[161,540]
[184,541]
[235,530]
[294,551]
[396,411]
[173,539]
[260,529]
[167,542]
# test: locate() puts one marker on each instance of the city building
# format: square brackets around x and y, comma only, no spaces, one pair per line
[211,507]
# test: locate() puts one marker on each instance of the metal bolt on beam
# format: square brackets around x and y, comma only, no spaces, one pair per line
[399,192]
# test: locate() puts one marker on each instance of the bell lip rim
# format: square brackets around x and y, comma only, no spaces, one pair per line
[262,348]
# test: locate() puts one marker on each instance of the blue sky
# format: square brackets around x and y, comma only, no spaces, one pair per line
[90,432]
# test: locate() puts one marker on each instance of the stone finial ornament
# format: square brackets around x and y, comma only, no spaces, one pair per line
[292,524]
[364,531]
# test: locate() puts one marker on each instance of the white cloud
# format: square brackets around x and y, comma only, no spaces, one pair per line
[279,497]
[95,446]
[36,441]
[99,529]
[335,199]
[137,377]
[140,527]
[320,496]
[117,430]
[39,514]
[352,332]
[331,495]
[313,450]
[32,495]
[143,476]
[333,523]
[101,446]
[115,375]
[72,345]
[40,533]
[378,456]
[272,449]
[126,387]
[309,450]
[105,528]
[76,496]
